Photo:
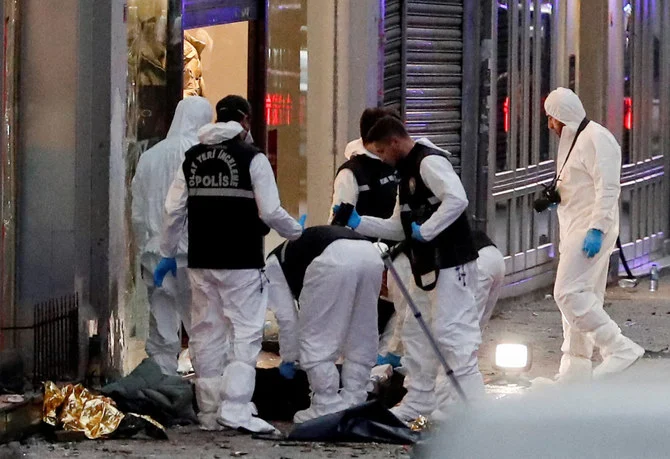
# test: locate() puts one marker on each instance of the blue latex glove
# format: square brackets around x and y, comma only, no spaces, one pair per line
[165,266]
[389,359]
[302,220]
[354,218]
[287,370]
[393,359]
[416,232]
[593,242]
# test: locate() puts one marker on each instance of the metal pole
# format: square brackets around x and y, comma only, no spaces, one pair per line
[10,111]
[386,256]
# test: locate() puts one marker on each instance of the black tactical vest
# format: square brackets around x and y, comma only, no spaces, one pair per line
[454,246]
[377,185]
[224,229]
[481,240]
[295,256]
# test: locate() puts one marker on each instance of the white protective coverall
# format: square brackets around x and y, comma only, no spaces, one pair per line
[337,317]
[345,189]
[589,188]
[450,310]
[490,281]
[228,311]
[170,305]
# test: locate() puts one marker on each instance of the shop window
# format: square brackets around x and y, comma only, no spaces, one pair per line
[285,100]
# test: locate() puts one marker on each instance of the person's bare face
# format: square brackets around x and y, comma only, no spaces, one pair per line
[386,150]
[555,125]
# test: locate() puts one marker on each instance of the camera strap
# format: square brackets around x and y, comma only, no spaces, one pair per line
[624,262]
[581,128]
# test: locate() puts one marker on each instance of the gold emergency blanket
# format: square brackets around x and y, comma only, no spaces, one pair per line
[80,411]
[419,424]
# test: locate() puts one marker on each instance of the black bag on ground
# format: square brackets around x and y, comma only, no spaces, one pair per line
[370,422]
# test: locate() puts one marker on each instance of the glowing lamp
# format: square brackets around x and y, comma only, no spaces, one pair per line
[513,358]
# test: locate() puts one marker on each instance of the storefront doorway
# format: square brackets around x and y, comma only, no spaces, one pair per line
[224,53]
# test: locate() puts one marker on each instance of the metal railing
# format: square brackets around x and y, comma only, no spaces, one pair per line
[56,339]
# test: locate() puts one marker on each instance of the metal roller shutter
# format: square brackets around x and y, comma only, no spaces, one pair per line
[393,54]
[431,48]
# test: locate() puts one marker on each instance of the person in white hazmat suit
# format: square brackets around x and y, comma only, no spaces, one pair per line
[588,215]
[490,280]
[370,185]
[431,216]
[490,276]
[335,275]
[170,305]
[227,192]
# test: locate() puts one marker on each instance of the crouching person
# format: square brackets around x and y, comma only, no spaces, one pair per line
[335,276]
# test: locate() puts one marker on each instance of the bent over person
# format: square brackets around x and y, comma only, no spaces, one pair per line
[335,276]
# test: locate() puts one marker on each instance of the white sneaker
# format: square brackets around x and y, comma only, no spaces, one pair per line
[619,360]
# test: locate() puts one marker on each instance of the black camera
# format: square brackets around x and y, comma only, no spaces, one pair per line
[548,196]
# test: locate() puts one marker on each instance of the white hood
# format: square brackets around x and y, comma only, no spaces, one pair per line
[565,106]
[191,114]
[355,147]
[427,143]
[156,170]
[214,133]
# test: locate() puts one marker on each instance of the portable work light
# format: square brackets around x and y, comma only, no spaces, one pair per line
[512,358]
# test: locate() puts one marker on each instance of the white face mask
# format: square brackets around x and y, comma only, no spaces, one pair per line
[249,139]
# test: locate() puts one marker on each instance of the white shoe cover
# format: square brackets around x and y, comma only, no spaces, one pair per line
[236,410]
[626,354]
[415,404]
[356,383]
[236,416]
[574,369]
[316,410]
[406,412]
[208,422]
[208,396]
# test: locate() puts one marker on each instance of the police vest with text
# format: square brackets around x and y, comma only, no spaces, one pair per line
[452,247]
[377,185]
[224,229]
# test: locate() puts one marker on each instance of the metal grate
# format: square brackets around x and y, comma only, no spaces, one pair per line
[56,353]
[423,68]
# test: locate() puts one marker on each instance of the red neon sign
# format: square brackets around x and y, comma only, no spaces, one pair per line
[628,113]
[278,109]
[506,113]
